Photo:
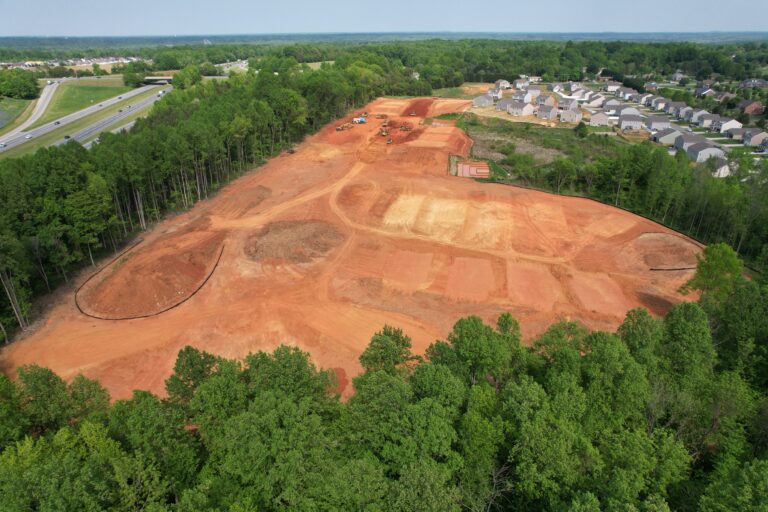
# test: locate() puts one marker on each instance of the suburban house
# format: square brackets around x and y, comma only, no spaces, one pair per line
[625,93]
[574,86]
[659,103]
[721,96]
[720,167]
[642,97]
[611,104]
[535,91]
[568,104]
[764,146]
[504,104]
[503,84]
[521,83]
[630,122]
[666,137]
[682,112]
[546,100]
[611,86]
[686,140]
[626,110]
[595,101]
[656,123]
[706,120]
[482,101]
[546,112]
[701,92]
[651,86]
[581,94]
[753,83]
[724,124]
[696,114]
[648,101]
[520,108]
[754,137]
[678,75]
[703,151]
[672,107]
[736,133]
[555,87]
[524,96]
[751,107]
[534,79]
[496,94]
[599,119]
[570,116]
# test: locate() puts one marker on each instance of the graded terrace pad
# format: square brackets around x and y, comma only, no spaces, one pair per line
[324,246]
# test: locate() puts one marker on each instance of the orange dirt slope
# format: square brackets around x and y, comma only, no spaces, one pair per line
[325,246]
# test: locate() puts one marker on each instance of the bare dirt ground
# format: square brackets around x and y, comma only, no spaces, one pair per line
[325,246]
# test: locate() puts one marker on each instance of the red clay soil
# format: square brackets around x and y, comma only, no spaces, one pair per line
[325,246]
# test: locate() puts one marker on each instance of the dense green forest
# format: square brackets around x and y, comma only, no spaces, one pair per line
[642,178]
[665,414]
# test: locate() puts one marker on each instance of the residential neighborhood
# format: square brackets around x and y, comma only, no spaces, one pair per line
[608,104]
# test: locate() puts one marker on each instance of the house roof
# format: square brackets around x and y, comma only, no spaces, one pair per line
[658,119]
[546,109]
[630,118]
[701,146]
[667,132]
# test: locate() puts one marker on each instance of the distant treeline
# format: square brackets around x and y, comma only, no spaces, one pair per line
[665,414]
[449,62]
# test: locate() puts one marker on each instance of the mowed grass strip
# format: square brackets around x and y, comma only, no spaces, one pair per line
[74,95]
[13,112]
[71,128]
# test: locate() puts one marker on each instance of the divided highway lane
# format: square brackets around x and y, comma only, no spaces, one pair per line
[20,138]
[100,125]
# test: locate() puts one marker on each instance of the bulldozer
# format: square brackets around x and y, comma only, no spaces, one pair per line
[383,131]
[406,127]
[345,126]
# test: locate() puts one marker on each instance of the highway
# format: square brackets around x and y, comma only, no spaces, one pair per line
[17,138]
[100,125]
[40,107]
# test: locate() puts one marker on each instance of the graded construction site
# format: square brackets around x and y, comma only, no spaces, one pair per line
[321,248]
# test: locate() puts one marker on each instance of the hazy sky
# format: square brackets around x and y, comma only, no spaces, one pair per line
[189,17]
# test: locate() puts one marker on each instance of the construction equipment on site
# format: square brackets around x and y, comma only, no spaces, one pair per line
[359,120]
[381,116]
[413,113]
[345,126]
[389,141]
[383,131]
[406,127]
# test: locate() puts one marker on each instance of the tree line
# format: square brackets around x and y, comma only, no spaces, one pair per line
[664,414]
[64,205]
[19,84]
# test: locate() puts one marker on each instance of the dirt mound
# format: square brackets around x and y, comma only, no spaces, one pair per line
[419,107]
[293,241]
[151,279]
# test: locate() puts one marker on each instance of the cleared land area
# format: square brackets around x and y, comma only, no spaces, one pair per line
[74,95]
[323,247]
